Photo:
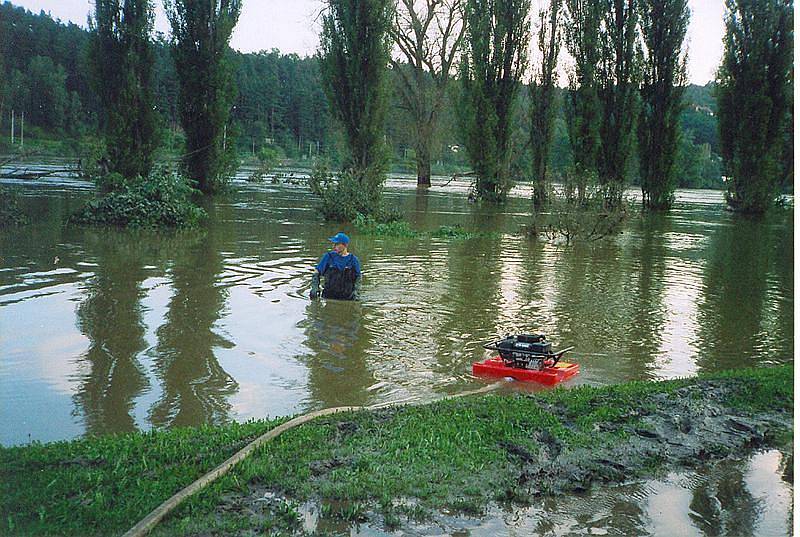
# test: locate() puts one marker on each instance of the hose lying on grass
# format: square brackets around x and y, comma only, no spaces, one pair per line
[146,525]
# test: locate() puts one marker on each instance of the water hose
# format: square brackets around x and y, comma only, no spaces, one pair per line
[146,525]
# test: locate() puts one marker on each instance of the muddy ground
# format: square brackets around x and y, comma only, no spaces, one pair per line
[688,428]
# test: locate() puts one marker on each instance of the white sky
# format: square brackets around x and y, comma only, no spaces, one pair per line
[291,26]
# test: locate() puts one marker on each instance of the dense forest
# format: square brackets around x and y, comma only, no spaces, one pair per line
[44,65]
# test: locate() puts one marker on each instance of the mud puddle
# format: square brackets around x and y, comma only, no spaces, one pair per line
[736,497]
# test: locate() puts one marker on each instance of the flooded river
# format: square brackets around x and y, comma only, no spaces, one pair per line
[108,331]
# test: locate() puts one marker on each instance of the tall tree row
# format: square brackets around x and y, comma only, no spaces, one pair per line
[428,35]
[543,97]
[494,60]
[354,55]
[122,59]
[201,33]
[755,100]
[664,24]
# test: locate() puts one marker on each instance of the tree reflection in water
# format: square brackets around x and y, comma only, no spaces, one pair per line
[741,314]
[195,387]
[111,318]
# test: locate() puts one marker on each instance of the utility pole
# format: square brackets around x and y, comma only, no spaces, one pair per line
[22,132]
[225,138]
[12,126]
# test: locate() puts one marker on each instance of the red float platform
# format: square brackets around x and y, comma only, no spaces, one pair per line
[494,367]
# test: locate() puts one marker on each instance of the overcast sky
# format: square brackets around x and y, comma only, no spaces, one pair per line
[291,26]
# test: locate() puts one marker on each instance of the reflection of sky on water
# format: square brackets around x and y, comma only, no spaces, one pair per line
[135,330]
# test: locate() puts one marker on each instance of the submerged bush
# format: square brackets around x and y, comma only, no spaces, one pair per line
[457,232]
[392,228]
[345,195]
[570,222]
[161,200]
[268,158]
[10,212]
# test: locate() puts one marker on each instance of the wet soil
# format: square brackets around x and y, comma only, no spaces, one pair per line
[689,428]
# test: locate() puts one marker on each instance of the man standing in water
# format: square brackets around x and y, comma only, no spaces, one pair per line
[341,270]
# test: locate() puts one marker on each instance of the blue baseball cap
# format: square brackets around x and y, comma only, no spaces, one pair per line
[340,238]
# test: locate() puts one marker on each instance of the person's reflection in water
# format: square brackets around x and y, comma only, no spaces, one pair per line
[338,341]
[111,317]
[196,388]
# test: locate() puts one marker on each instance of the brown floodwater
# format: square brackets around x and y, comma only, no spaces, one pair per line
[106,331]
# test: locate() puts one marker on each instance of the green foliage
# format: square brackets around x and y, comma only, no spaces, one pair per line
[543,94]
[48,102]
[696,166]
[583,107]
[201,32]
[664,25]
[699,115]
[268,158]
[10,212]
[457,232]
[345,195]
[491,70]
[395,228]
[354,53]
[618,79]
[122,64]
[282,103]
[162,200]
[754,91]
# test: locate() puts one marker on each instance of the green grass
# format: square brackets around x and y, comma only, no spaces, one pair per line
[100,485]
[444,455]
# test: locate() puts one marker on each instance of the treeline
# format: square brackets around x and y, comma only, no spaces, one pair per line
[46,74]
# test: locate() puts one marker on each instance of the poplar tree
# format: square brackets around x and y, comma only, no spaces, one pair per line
[754,97]
[543,96]
[582,108]
[491,70]
[121,55]
[201,33]
[354,55]
[664,24]
[619,74]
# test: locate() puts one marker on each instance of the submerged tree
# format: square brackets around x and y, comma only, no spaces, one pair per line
[543,94]
[619,73]
[491,69]
[354,55]
[428,34]
[583,108]
[755,100]
[664,24]
[201,32]
[122,62]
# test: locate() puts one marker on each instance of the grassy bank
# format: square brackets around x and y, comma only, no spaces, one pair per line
[391,465]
